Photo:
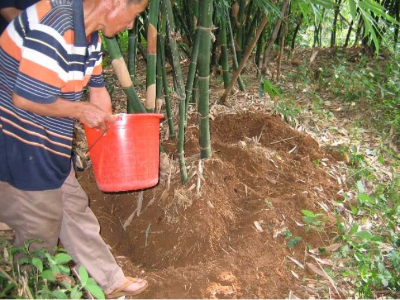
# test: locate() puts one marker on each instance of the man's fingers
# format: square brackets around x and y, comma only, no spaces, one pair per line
[103,126]
[110,118]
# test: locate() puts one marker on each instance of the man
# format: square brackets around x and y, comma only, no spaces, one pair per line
[48,54]
[10,9]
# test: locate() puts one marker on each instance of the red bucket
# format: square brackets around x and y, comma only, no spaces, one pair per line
[127,157]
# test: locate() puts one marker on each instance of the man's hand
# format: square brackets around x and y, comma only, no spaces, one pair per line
[93,116]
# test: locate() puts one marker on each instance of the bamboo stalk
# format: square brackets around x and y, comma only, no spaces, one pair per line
[204,28]
[180,90]
[282,46]
[192,70]
[271,42]
[233,50]
[239,30]
[244,60]
[161,45]
[132,50]
[224,50]
[152,55]
[159,83]
[121,70]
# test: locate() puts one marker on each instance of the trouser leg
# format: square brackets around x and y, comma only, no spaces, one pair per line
[32,215]
[80,235]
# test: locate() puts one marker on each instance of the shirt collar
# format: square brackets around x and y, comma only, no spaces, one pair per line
[79,24]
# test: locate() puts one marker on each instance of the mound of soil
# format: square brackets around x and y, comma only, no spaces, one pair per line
[224,238]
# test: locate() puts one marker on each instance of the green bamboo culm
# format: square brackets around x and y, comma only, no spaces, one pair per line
[121,70]
[195,14]
[204,28]
[224,48]
[167,8]
[152,55]
[233,50]
[195,88]
[161,47]
[192,70]
[239,30]
[159,84]
[132,50]
[195,96]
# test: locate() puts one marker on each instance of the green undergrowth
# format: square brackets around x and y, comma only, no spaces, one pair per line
[367,260]
[41,275]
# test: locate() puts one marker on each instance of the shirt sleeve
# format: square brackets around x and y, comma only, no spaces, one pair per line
[97,80]
[43,69]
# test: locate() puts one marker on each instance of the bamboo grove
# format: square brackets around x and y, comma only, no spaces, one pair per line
[222,36]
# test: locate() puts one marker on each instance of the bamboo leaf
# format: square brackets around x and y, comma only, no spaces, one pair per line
[268,6]
[325,3]
[353,9]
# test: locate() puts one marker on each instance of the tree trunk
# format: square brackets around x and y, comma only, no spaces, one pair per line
[284,7]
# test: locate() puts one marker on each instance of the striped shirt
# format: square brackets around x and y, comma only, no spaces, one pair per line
[44,55]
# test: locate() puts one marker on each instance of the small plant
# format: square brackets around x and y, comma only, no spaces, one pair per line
[371,247]
[269,203]
[313,221]
[40,275]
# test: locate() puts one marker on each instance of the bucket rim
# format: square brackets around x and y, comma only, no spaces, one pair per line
[159,116]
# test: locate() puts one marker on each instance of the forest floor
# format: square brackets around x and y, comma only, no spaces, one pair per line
[236,229]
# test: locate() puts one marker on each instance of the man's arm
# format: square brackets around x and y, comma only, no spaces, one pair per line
[100,97]
[88,113]
[9,13]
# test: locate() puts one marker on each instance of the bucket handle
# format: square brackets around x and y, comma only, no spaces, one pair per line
[99,138]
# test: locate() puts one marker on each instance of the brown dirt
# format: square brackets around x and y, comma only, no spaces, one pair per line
[208,246]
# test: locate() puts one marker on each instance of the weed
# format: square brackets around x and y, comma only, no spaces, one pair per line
[38,274]
[313,221]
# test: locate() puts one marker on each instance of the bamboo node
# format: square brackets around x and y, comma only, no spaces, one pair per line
[205,28]
[203,117]
[204,78]
[206,148]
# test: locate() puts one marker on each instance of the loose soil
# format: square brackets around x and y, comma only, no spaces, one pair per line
[229,239]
